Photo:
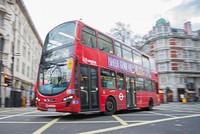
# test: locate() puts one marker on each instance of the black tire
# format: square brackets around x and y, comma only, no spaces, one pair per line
[110,106]
[150,105]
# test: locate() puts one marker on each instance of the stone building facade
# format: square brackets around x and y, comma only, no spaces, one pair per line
[177,52]
[21,48]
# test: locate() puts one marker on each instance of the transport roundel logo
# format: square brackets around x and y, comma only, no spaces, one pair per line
[121,96]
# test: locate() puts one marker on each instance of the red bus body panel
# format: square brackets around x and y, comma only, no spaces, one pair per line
[94,57]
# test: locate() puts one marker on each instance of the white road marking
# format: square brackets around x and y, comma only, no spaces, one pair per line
[163,114]
[187,111]
[46,126]
[120,120]
[43,128]
[178,125]
[137,124]
[68,122]
[10,116]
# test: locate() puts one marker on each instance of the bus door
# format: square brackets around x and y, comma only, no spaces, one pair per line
[89,91]
[130,92]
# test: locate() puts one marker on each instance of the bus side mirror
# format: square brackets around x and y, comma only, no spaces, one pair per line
[69,63]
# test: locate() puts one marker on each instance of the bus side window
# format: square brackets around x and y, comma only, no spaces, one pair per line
[145,61]
[127,54]
[148,86]
[88,37]
[105,44]
[137,57]
[118,51]
[108,79]
[120,81]
[139,84]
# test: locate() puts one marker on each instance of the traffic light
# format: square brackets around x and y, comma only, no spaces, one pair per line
[7,81]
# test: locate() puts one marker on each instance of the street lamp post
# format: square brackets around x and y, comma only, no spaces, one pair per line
[1,55]
[12,87]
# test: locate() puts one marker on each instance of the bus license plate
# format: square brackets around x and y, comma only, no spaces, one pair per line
[51,109]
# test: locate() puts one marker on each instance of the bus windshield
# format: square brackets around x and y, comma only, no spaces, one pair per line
[61,35]
[54,78]
[54,73]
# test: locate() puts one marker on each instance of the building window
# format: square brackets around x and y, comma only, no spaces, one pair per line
[189,42]
[1,19]
[180,80]
[163,80]
[29,55]
[18,45]
[166,29]
[179,54]
[161,54]
[187,66]
[180,66]
[160,43]
[162,67]
[17,65]
[28,71]
[159,29]
[188,54]
[19,26]
[2,1]
[23,68]
[24,51]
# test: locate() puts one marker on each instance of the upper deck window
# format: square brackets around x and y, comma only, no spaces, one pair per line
[145,61]
[118,51]
[137,58]
[127,53]
[88,37]
[105,44]
[61,35]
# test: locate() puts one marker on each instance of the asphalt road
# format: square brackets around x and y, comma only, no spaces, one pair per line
[171,118]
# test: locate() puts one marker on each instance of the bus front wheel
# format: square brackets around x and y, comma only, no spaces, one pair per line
[110,106]
[150,106]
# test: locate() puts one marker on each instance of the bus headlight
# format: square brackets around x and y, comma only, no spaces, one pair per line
[68,98]
[37,99]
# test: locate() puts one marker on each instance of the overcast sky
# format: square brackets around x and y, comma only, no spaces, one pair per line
[103,14]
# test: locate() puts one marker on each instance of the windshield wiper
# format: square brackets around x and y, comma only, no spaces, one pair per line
[57,64]
[49,65]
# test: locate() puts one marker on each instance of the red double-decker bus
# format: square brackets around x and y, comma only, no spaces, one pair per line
[84,70]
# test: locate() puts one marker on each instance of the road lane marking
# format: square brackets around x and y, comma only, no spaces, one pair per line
[68,122]
[46,126]
[10,116]
[187,111]
[137,124]
[120,120]
[163,114]
[178,125]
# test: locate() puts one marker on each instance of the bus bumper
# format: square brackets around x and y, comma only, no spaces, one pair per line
[58,107]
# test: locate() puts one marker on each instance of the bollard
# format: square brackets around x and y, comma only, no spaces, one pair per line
[184,100]
[23,101]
